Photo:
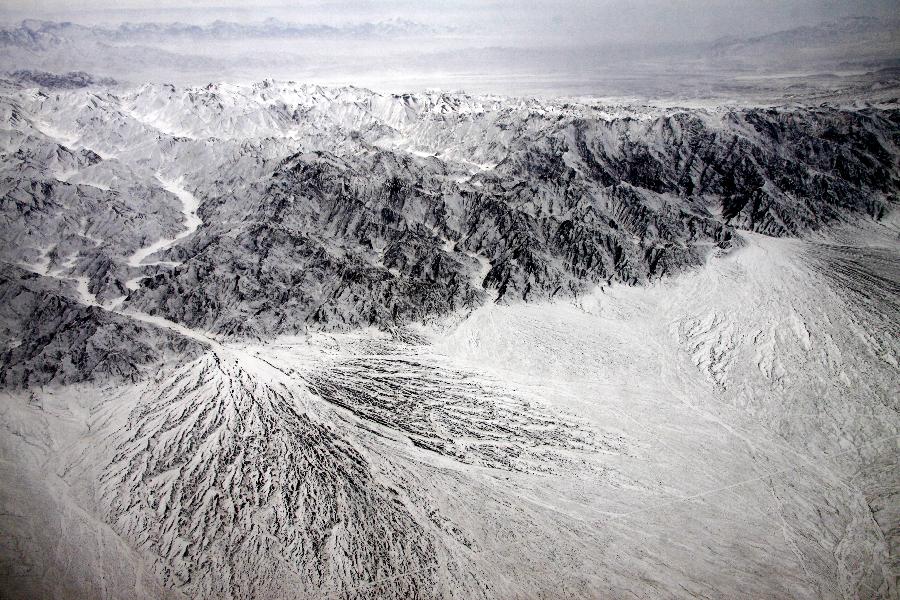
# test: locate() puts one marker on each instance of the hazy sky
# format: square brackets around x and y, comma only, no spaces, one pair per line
[572,20]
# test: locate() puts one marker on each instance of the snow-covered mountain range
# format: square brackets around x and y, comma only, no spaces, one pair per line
[288,340]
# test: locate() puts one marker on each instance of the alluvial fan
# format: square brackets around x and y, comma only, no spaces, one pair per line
[241,491]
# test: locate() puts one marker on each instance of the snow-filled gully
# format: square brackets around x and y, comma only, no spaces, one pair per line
[192,221]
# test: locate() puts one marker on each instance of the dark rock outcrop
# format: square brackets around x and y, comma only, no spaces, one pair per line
[48,337]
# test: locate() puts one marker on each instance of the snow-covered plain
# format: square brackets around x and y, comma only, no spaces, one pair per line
[729,430]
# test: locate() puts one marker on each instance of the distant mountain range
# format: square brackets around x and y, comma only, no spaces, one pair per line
[413,55]
[71,80]
[854,29]
[40,35]
[853,39]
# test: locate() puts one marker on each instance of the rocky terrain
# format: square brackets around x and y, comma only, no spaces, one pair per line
[342,208]
[285,340]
